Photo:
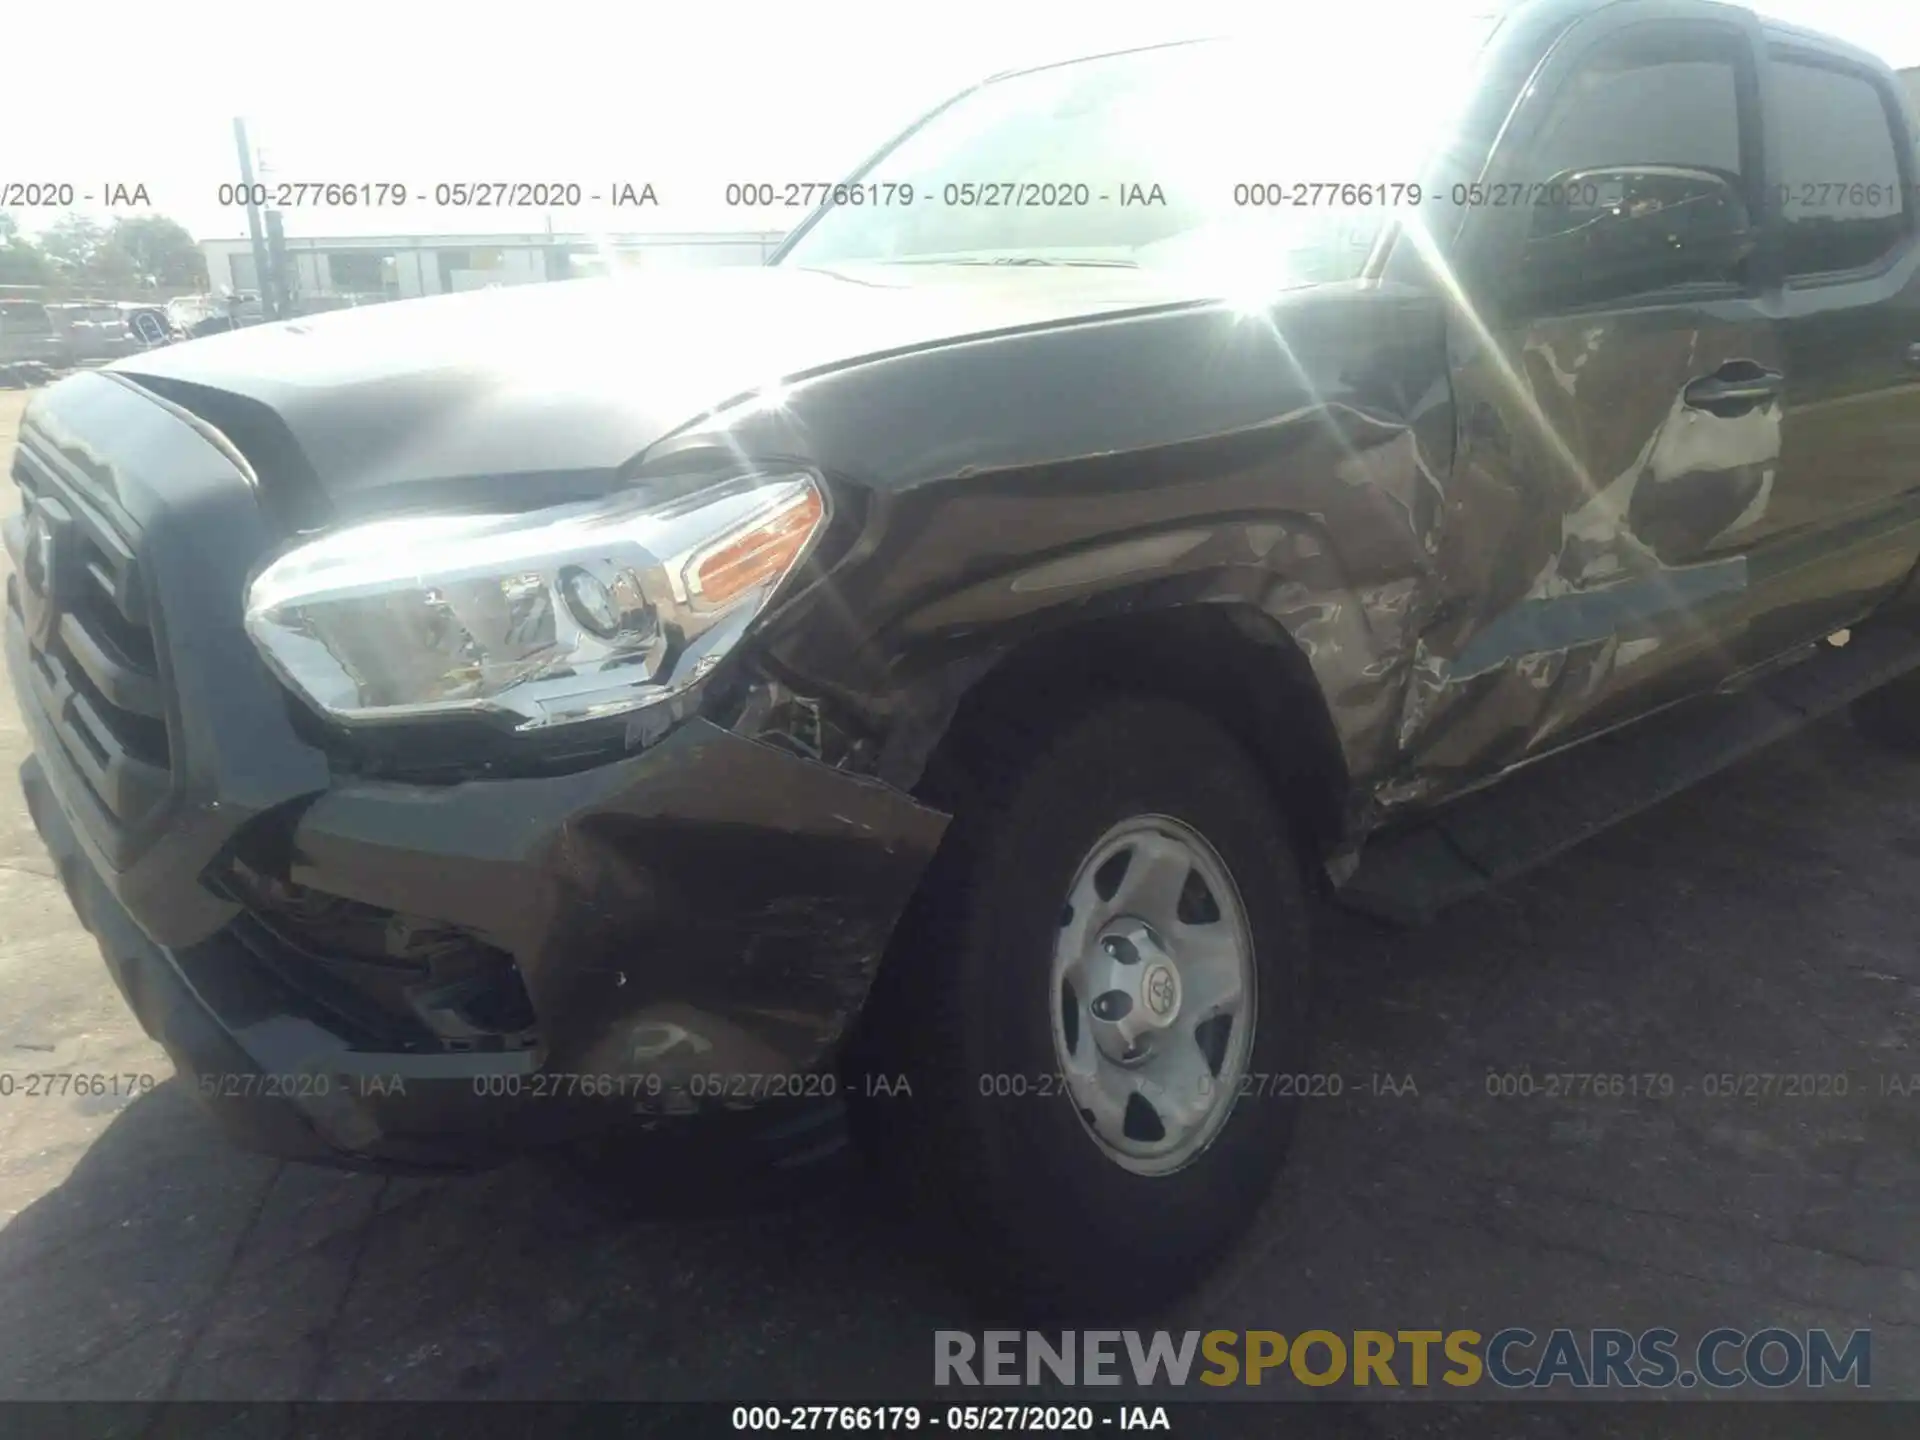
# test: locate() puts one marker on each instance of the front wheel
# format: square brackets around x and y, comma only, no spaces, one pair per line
[1111,974]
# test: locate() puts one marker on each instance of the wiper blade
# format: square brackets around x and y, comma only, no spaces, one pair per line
[1097,264]
[1048,260]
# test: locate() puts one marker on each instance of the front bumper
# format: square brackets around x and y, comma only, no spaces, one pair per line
[689,930]
[696,928]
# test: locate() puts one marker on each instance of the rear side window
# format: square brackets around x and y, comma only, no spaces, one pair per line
[1841,195]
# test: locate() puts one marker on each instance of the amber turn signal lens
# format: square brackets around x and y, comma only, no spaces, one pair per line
[758,554]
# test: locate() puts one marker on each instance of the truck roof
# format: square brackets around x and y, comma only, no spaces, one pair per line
[1820,40]
[1548,16]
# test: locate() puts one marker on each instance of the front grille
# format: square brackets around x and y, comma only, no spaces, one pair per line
[99,678]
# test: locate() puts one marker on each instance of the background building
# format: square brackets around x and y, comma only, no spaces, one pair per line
[397,267]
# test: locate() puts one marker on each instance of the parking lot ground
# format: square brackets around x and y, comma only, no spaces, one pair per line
[1764,924]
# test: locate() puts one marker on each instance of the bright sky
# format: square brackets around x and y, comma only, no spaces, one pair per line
[687,96]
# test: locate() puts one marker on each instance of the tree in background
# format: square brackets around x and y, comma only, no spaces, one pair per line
[134,253]
[72,242]
[21,262]
[158,249]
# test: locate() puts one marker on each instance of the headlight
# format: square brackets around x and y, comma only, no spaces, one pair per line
[545,618]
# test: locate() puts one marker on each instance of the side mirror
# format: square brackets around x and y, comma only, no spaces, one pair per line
[1606,233]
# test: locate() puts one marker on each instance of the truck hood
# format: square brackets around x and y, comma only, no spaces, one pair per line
[575,378]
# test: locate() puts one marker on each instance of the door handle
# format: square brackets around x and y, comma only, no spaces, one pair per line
[1741,384]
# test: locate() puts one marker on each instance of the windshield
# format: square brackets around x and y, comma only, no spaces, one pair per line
[1183,155]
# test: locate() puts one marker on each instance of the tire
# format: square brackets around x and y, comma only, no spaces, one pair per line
[1036,1208]
[1890,716]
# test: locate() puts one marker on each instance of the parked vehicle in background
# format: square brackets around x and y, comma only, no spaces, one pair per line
[931,675]
[92,332]
[27,334]
[25,374]
[150,325]
[217,315]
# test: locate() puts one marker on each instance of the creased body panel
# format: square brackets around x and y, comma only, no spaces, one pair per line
[1291,461]
[1597,566]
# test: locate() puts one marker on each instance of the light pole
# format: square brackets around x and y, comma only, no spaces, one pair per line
[262,270]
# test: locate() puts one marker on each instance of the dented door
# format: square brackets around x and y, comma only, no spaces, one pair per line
[1619,401]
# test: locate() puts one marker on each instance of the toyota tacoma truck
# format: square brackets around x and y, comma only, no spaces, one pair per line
[926,681]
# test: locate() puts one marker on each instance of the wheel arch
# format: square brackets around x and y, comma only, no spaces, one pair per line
[1231,661]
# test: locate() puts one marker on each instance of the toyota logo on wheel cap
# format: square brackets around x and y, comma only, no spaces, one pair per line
[1161,989]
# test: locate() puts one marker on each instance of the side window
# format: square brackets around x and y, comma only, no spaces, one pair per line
[1648,98]
[1841,197]
[1636,181]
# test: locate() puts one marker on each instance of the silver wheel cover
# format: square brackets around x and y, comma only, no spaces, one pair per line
[1153,994]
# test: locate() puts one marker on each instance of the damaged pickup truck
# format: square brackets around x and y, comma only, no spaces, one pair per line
[930,677]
